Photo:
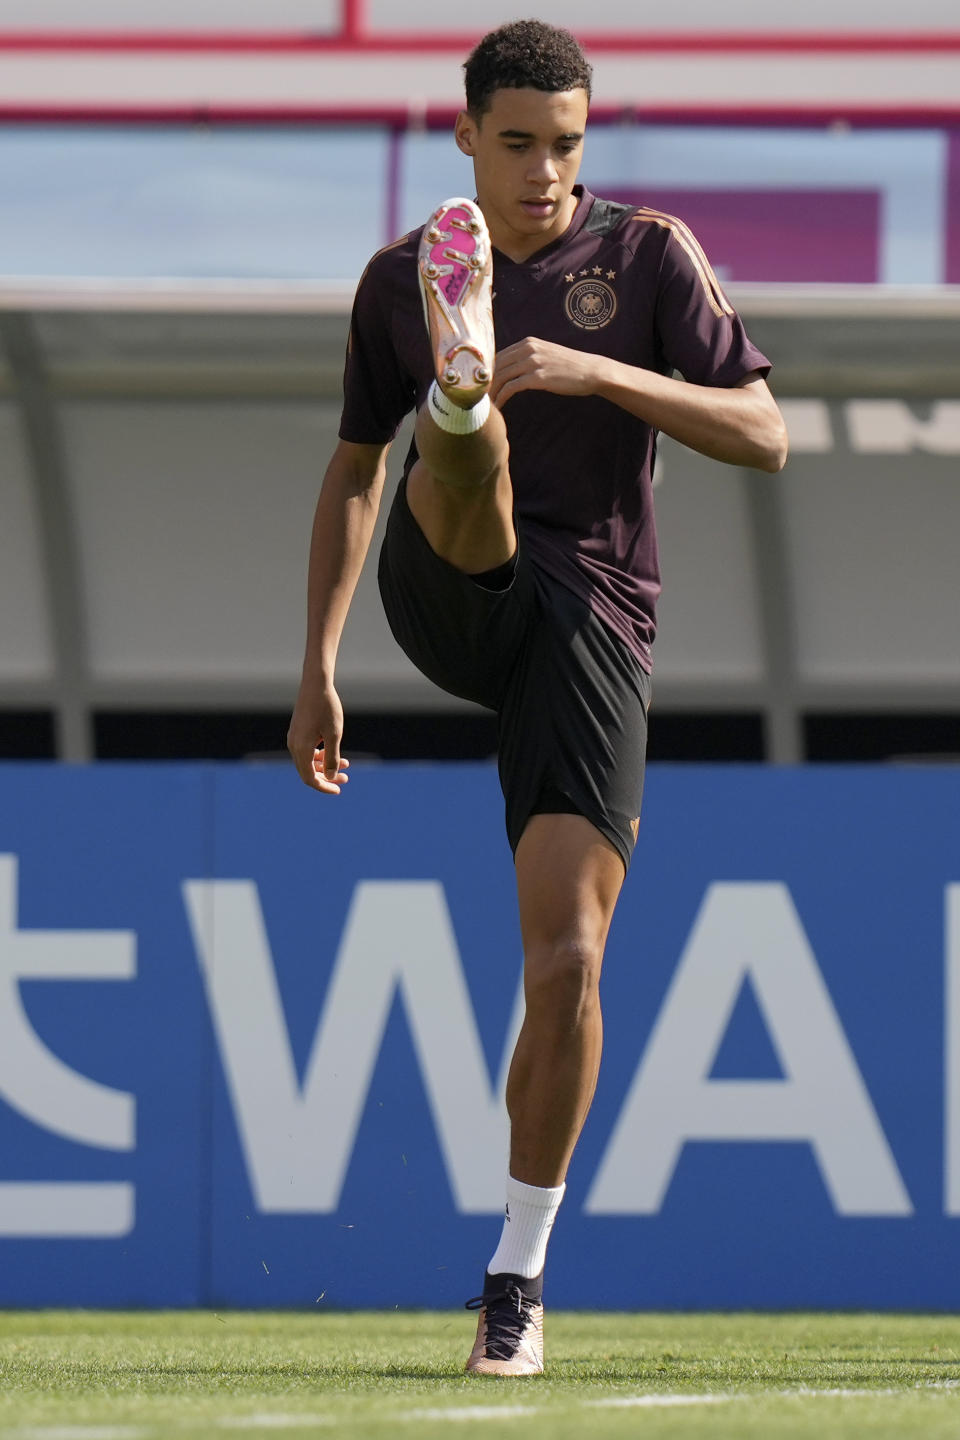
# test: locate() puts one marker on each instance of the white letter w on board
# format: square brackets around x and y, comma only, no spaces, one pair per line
[298,1140]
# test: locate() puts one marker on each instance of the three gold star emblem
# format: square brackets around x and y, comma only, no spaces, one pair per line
[597,270]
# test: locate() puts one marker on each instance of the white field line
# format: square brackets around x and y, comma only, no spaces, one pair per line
[273,1422]
[472,1412]
[77,1432]
[653,1400]
[626,1402]
[810,1392]
[650,1400]
[807,1392]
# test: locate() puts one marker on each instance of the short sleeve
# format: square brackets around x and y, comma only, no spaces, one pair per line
[701,334]
[377,391]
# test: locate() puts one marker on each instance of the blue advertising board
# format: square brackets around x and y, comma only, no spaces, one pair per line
[253,1041]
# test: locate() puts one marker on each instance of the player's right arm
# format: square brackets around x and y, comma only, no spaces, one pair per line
[342,528]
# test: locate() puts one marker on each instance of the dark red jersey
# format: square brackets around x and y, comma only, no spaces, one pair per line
[629,283]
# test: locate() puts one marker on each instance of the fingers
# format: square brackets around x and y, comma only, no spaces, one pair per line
[526,365]
[511,383]
[319,767]
[328,771]
[329,760]
[504,388]
[509,362]
[313,739]
[533,364]
[509,377]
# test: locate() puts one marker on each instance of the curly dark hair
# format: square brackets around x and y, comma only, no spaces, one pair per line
[524,54]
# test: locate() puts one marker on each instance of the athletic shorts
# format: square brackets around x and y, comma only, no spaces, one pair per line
[571,700]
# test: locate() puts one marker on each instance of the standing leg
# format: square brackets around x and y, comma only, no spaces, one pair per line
[569,877]
[568,880]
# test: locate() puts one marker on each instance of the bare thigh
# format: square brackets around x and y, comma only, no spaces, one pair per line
[569,878]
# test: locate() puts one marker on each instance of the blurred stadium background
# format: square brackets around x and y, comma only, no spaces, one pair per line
[189,193]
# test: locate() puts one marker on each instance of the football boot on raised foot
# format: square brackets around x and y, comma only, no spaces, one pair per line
[509,1328]
[456,268]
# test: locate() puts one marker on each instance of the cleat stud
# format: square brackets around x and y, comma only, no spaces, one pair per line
[431,270]
[433,234]
[451,376]
[475,262]
[481,374]
[474,227]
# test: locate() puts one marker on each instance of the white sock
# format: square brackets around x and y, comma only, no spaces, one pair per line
[453,418]
[531,1212]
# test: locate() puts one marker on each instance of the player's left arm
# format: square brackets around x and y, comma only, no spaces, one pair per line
[740,425]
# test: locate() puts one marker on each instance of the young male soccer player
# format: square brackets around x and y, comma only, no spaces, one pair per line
[519,568]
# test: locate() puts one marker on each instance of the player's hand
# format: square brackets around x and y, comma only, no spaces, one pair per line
[313,739]
[534,364]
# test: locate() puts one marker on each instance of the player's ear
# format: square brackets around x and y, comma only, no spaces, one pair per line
[464,132]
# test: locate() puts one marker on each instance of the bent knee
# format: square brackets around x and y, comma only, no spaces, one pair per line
[471,527]
[478,479]
[563,974]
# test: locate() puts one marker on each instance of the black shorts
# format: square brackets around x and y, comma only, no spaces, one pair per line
[571,700]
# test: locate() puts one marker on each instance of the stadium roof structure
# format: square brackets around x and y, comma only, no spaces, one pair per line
[163,444]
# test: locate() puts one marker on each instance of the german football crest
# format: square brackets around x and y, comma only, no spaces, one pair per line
[590,304]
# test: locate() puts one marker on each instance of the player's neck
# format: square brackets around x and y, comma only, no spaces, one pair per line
[518,246]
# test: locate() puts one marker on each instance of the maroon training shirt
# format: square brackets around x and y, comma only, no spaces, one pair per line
[629,283]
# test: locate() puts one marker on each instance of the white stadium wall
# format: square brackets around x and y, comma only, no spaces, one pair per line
[353,56]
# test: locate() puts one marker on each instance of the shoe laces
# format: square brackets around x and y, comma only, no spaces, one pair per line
[506,1319]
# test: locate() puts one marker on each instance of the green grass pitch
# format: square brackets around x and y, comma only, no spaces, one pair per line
[67,1375]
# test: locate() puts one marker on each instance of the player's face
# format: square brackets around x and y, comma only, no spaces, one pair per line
[526,150]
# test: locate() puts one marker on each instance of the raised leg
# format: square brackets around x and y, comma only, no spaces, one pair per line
[459,491]
[460,495]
